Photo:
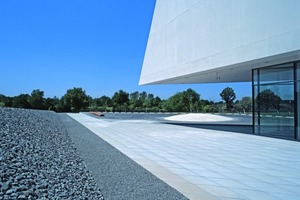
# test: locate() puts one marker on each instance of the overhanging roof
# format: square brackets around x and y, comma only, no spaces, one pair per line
[240,72]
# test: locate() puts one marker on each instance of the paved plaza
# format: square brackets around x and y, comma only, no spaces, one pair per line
[204,163]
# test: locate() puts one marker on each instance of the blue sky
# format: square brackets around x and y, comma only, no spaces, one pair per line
[55,45]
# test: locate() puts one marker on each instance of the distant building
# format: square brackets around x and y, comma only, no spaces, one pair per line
[214,41]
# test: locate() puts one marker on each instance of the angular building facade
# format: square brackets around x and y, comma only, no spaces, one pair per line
[214,41]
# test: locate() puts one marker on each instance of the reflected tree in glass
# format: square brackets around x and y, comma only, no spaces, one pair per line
[268,100]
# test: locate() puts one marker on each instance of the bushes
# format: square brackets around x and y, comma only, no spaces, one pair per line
[2,104]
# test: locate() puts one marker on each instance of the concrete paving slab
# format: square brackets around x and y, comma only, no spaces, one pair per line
[203,162]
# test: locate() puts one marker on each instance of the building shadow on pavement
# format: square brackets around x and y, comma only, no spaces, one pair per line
[248,129]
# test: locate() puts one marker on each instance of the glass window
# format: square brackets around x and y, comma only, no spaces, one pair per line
[274,101]
[256,110]
[278,73]
[255,76]
[298,98]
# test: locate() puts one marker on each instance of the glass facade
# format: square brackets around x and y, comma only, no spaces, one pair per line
[275,96]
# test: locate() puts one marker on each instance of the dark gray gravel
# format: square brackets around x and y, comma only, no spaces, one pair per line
[44,155]
[118,176]
[38,160]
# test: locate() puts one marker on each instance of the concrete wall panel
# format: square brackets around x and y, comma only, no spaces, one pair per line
[190,37]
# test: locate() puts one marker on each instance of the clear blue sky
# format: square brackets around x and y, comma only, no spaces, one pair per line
[55,45]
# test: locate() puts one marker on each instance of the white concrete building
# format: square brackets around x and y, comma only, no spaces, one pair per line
[211,41]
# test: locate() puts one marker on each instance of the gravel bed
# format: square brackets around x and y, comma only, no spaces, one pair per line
[38,160]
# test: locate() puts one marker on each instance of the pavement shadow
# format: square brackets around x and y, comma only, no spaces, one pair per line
[247,129]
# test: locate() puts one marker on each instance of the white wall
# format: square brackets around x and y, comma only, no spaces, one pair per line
[195,37]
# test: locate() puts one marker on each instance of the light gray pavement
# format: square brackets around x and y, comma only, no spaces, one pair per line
[206,164]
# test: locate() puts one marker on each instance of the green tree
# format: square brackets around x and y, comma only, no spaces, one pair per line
[174,103]
[120,100]
[157,102]
[134,96]
[104,101]
[6,101]
[143,97]
[205,105]
[53,104]
[186,101]
[75,100]
[193,98]
[148,104]
[101,103]
[37,99]
[21,101]
[228,96]
[135,102]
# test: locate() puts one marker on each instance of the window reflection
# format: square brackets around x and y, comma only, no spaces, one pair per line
[274,101]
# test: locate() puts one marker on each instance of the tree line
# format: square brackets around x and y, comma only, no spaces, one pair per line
[76,99]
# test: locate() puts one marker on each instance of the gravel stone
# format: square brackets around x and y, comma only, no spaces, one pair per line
[38,160]
[22,197]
